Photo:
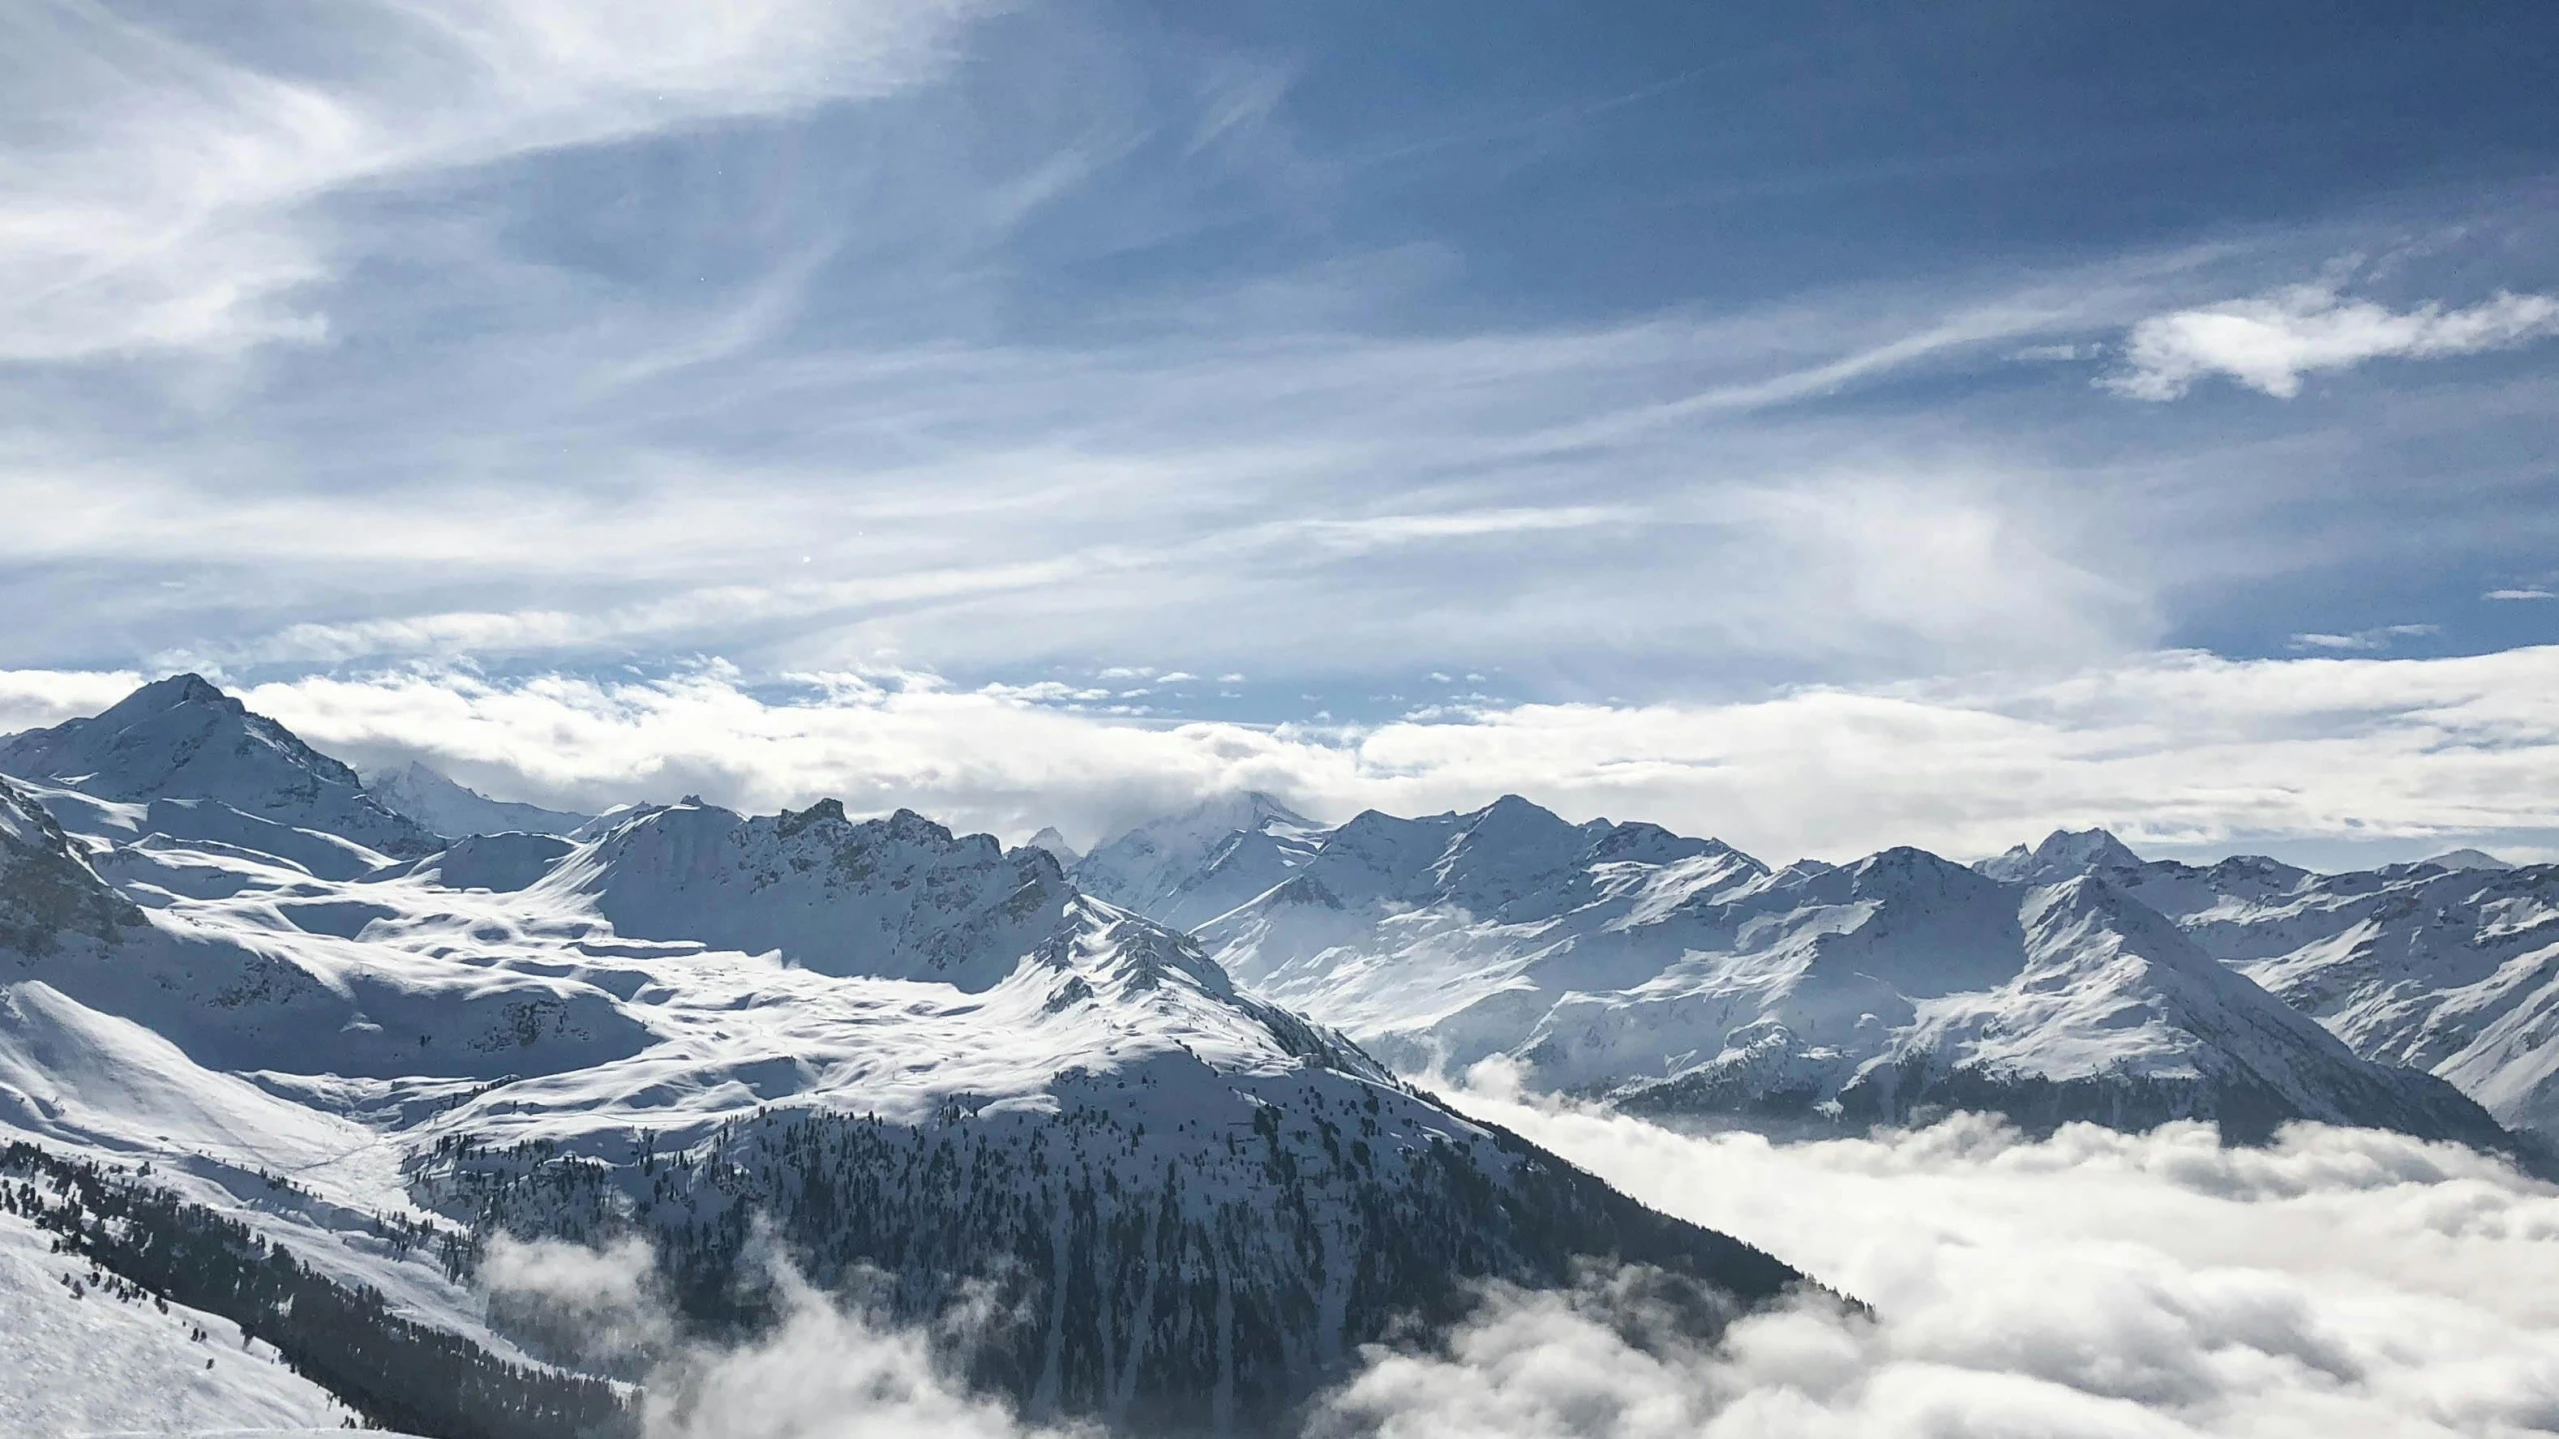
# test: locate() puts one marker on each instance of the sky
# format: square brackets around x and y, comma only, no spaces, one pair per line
[1822,425]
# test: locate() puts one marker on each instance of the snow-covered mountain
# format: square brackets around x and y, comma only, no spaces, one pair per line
[1163,868]
[181,739]
[2450,965]
[1677,973]
[906,1049]
[1049,839]
[2064,854]
[437,802]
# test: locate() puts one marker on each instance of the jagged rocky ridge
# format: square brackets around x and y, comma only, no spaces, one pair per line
[913,1052]
[1680,975]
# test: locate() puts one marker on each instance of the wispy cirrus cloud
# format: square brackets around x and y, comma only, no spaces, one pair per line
[2270,343]
[566,335]
[2379,638]
[182,212]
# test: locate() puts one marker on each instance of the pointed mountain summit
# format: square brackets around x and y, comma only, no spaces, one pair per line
[2064,854]
[1049,839]
[2117,1016]
[181,739]
[447,807]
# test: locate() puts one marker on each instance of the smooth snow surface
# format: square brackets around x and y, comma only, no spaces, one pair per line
[80,1358]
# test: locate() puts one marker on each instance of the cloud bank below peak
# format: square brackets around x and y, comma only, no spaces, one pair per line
[2155,1286]
[2150,1286]
[2360,758]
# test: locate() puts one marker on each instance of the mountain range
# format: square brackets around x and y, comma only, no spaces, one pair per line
[1150,1102]
[2070,981]
[276,1048]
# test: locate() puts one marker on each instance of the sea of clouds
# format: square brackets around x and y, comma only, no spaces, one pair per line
[2377,759]
[2338,1282]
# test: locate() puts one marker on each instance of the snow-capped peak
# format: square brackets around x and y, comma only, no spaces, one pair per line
[1146,866]
[448,807]
[2458,859]
[181,739]
[900,897]
[1049,839]
[2064,853]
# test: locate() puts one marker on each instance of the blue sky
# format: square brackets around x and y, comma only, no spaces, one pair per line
[1424,375]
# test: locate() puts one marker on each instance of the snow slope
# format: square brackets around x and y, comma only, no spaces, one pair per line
[81,1354]
[2450,965]
[1678,973]
[445,807]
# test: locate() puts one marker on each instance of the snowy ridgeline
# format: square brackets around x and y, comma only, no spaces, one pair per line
[2070,981]
[914,1053]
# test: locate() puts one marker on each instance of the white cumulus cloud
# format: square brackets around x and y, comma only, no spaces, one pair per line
[2270,343]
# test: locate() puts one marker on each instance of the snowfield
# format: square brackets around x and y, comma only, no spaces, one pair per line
[86,1359]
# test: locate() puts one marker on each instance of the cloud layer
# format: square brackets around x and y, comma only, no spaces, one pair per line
[2181,751]
[2340,1282]
[2152,1286]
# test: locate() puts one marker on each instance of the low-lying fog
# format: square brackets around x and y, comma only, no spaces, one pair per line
[2339,1283]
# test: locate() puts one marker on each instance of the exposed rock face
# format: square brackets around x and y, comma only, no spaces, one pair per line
[47,890]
